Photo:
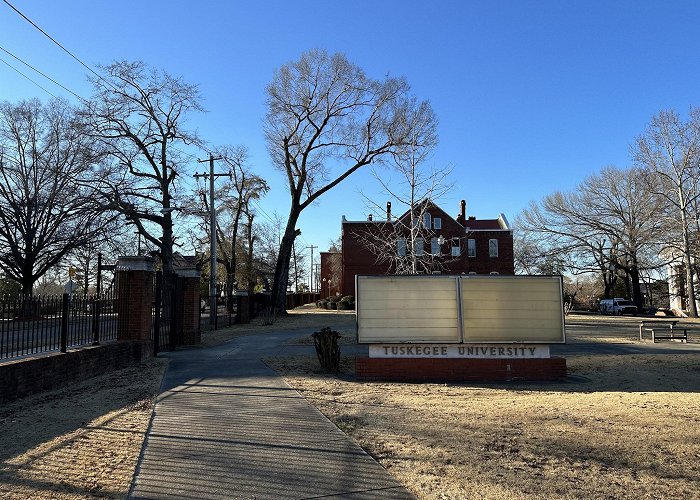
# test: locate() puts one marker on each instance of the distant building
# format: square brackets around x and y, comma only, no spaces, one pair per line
[461,245]
[678,288]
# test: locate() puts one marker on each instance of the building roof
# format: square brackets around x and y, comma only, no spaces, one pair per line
[471,224]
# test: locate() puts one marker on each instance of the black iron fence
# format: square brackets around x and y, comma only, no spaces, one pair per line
[166,330]
[226,311]
[31,324]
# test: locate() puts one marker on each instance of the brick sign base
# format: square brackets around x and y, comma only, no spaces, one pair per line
[458,370]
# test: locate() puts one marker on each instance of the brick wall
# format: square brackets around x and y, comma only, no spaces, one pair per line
[458,370]
[136,294]
[358,260]
[189,313]
[24,377]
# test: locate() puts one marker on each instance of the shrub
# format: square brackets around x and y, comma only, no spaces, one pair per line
[348,302]
[327,350]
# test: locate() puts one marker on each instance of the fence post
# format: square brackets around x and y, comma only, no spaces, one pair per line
[96,302]
[64,323]
[135,315]
[188,305]
[173,330]
[157,308]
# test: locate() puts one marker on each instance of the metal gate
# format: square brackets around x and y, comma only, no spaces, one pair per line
[168,294]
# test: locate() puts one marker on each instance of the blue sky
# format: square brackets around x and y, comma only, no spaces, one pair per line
[532,97]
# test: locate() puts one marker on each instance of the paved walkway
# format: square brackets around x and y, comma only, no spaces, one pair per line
[226,426]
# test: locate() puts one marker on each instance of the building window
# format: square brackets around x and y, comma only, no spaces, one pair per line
[420,247]
[435,246]
[401,247]
[426,220]
[455,247]
[471,248]
[437,223]
[493,248]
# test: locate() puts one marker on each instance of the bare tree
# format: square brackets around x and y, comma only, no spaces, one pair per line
[47,208]
[298,270]
[610,223]
[137,115]
[412,187]
[325,120]
[669,150]
[234,200]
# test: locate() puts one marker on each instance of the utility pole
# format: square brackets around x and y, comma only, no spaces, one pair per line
[311,278]
[317,274]
[213,308]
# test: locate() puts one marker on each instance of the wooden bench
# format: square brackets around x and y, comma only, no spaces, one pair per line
[667,330]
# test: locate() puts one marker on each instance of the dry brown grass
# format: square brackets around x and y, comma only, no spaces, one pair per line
[78,442]
[626,428]
[621,427]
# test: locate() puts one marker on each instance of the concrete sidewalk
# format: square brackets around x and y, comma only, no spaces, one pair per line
[226,426]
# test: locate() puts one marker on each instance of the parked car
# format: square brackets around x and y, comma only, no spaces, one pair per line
[617,306]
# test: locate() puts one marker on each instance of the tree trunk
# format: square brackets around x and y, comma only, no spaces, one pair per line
[636,287]
[231,274]
[249,257]
[279,288]
[689,279]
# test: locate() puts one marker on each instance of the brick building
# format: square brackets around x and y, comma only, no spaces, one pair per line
[447,245]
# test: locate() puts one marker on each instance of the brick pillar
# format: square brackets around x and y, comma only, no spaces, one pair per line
[188,311]
[135,298]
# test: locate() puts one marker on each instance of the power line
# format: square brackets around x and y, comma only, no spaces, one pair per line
[41,73]
[25,76]
[265,214]
[55,41]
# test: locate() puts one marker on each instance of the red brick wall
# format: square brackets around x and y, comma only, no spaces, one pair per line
[482,263]
[136,293]
[24,377]
[191,334]
[458,370]
[358,260]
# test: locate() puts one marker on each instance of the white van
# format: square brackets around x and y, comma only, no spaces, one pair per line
[617,306]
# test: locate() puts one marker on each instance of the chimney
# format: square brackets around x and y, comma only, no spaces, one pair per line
[369,217]
[388,211]
[461,218]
